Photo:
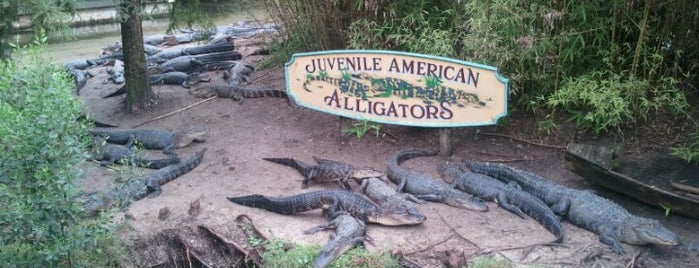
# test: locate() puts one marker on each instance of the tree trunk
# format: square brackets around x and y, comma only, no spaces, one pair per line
[138,92]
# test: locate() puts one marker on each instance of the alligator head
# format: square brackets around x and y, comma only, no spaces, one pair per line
[465,201]
[193,135]
[396,215]
[641,231]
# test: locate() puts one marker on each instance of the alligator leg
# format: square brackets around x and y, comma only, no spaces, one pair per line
[154,189]
[505,203]
[561,208]
[414,199]
[607,237]
[130,142]
[322,227]
[168,149]
[430,197]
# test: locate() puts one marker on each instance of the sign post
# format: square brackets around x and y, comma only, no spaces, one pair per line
[398,88]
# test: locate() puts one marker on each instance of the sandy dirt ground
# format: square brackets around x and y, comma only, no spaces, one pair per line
[240,135]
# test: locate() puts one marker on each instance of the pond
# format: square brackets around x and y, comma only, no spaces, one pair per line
[88,44]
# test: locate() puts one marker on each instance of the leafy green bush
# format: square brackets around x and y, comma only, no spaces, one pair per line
[688,151]
[601,101]
[41,224]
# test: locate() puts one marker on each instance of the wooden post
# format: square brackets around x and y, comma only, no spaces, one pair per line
[446,147]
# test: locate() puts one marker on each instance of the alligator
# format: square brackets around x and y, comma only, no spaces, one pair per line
[238,74]
[172,53]
[584,208]
[151,50]
[80,77]
[326,171]
[149,138]
[349,232]
[166,54]
[80,64]
[334,201]
[208,49]
[178,78]
[380,192]
[117,72]
[154,40]
[507,196]
[219,56]
[108,154]
[425,187]
[185,64]
[218,65]
[140,187]
[236,93]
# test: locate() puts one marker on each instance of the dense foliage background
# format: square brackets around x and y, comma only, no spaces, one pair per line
[606,64]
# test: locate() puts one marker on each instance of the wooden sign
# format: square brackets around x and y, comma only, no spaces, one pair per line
[397,88]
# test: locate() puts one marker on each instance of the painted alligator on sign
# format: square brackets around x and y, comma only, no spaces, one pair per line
[610,221]
[365,86]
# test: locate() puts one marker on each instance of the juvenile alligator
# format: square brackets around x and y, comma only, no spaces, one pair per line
[219,56]
[117,72]
[80,78]
[178,78]
[610,221]
[218,66]
[149,138]
[507,196]
[378,191]
[326,171]
[172,53]
[140,187]
[425,187]
[210,48]
[236,93]
[335,201]
[185,64]
[238,74]
[108,154]
[349,232]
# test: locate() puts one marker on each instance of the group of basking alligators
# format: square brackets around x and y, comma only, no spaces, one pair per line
[465,184]
[185,66]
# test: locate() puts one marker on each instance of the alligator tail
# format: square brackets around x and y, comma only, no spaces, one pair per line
[120,91]
[171,172]
[283,205]
[399,158]
[544,215]
[264,93]
[301,167]
[158,163]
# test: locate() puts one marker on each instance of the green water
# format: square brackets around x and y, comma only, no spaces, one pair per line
[89,43]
